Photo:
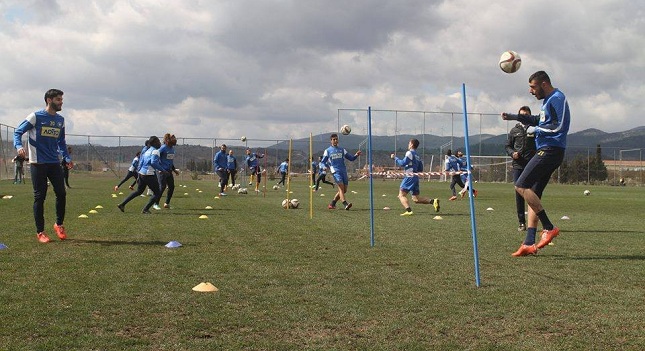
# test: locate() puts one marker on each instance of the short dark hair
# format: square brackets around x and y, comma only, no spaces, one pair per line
[52,93]
[449,152]
[524,108]
[415,143]
[334,135]
[540,76]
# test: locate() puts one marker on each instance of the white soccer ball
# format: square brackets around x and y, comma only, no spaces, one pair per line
[510,61]
[587,192]
[286,203]
[243,138]
[275,187]
[242,191]
[345,130]
[295,203]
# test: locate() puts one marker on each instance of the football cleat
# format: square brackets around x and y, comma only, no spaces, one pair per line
[525,250]
[406,213]
[435,203]
[43,238]
[547,237]
[60,231]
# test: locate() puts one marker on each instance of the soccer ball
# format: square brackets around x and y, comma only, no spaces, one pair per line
[286,203]
[345,130]
[510,62]
[243,138]
[242,191]
[295,203]
[587,192]
[275,187]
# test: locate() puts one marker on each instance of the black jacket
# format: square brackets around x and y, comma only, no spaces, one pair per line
[524,144]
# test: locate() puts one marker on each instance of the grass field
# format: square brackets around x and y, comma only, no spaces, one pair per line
[288,282]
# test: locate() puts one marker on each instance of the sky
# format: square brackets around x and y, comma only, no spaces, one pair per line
[280,69]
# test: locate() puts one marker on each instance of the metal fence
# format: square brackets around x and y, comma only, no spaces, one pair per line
[113,154]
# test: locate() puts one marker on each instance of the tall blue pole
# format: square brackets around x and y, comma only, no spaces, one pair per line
[369,172]
[473,223]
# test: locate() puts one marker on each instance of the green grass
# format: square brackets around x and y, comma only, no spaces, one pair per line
[288,282]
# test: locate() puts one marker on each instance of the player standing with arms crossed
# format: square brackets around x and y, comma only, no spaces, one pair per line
[550,129]
[46,130]
[336,157]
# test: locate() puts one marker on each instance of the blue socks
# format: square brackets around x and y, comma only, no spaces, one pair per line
[530,236]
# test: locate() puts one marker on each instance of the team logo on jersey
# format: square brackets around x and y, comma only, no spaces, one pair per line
[542,116]
[170,156]
[50,132]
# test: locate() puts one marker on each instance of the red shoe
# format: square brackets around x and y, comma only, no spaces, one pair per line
[525,250]
[331,207]
[43,238]
[453,198]
[548,236]
[60,231]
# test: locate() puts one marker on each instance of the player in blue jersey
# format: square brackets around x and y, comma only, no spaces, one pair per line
[283,169]
[132,172]
[219,166]
[412,165]
[166,178]
[550,129]
[336,156]
[463,166]
[520,146]
[452,165]
[314,171]
[46,130]
[322,174]
[231,166]
[148,166]
[252,163]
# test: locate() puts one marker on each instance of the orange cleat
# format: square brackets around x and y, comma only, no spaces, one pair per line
[525,250]
[60,231]
[453,198]
[43,238]
[331,207]
[547,237]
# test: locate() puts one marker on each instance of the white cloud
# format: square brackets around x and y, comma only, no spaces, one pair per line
[277,69]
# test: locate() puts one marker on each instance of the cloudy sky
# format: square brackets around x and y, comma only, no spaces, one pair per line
[275,69]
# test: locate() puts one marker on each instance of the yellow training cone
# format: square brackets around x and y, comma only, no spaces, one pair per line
[113,195]
[205,287]
[185,194]
[7,196]
[82,216]
[203,217]
[209,207]
[437,218]
[94,211]
[120,192]
[99,206]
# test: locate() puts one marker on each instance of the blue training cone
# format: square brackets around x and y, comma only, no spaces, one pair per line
[173,244]
[3,246]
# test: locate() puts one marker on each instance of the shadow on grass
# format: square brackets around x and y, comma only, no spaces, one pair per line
[117,242]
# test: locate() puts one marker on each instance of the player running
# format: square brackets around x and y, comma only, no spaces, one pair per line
[412,164]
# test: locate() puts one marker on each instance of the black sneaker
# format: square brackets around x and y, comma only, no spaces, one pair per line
[146,212]
[121,207]
[522,227]
[348,206]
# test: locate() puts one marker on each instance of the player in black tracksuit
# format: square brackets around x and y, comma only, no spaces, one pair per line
[521,147]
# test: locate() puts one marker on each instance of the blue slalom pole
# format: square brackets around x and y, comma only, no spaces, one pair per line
[369,170]
[473,223]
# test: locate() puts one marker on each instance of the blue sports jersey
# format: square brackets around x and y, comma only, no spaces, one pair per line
[314,166]
[411,163]
[149,162]
[143,151]
[336,156]
[219,161]
[322,168]
[452,164]
[284,166]
[166,157]
[46,137]
[552,123]
[134,165]
[252,160]
[231,162]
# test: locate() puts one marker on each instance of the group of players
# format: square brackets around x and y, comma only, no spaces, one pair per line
[153,167]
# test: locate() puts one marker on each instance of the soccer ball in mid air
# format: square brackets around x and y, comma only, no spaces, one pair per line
[587,192]
[510,61]
[345,130]
[243,138]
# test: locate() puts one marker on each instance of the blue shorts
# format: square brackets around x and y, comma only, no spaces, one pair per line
[340,177]
[538,171]
[410,185]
